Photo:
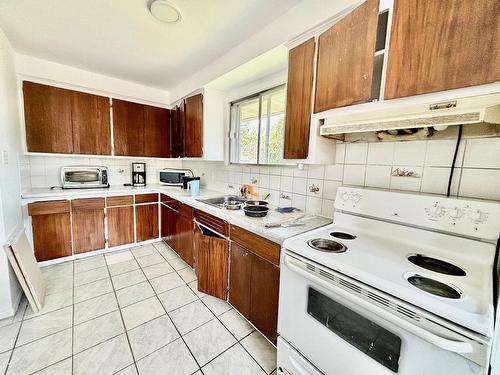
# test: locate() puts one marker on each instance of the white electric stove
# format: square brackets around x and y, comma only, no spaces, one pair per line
[399,283]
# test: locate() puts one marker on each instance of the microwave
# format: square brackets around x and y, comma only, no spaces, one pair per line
[83,177]
[173,177]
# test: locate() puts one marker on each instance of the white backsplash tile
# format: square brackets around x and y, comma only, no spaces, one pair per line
[409,153]
[440,153]
[406,182]
[380,153]
[327,207]
[299,201]
[482,153]
[316,171]
[299,185]
[354,174]
[435,180]
[286,183]
[480,183]
[334,172]
[378,176]
[274,182]
[340,153]
[330,189]
[313,205]
[313,184]
[356,153]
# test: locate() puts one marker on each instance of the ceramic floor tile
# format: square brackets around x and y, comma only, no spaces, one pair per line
[4,360]
[130,370]
[87,264]
[93,289]
[127,279]
[8,336]
[149,260]
[122,267]
[216,305]
[166,282]
[187,274]
[92,308]
[142,312]
[134,293]
[64,367]
[208,341]
[178,264]
[41,353]
[157,270]
[233,361]
[261,350]
[178,297]
[150,336]
[236,324]
[96,331]
[190,316]
[194,287]
[45,325]
[104,359]
[6,321]
[118,257]
[141,251]
[58,284]
[91,275]
[21,310]
[58,270]
[168,253]
[173,359]
[52,302]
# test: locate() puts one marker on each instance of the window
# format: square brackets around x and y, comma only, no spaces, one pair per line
[258,128]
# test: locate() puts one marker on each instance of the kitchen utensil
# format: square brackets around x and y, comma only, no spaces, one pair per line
[287,209]
[256,211]
[232,205]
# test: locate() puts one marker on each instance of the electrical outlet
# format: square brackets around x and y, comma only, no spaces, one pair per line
[5,157]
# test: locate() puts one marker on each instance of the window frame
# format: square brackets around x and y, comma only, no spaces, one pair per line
[234,133]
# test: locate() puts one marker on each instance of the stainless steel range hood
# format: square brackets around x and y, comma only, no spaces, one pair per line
[438,115]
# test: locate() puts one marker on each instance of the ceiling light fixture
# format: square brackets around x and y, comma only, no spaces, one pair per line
[163,11]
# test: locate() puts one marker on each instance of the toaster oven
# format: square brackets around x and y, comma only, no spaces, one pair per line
[83,177]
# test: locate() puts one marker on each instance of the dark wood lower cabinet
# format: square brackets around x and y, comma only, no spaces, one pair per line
[88,224]
[169,218]
[212,253]
[51,229]
[146,219]
[254,289]
[240,278]
[185,227]
[120,225]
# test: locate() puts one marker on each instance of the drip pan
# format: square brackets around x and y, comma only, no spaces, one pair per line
[327,246]
[343,235]
[436,265]
[434,287]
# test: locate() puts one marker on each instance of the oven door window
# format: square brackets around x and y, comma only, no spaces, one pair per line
[370,338]
[82,176]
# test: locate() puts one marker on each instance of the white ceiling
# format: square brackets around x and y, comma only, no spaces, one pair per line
[121,39]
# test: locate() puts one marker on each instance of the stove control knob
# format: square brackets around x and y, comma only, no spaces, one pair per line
[478,216]
[356,198]
[344,196]
[456,213]
[435,211]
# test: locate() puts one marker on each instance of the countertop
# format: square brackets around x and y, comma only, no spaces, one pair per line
[255,225]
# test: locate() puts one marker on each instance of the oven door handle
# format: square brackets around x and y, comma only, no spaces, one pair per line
[444,343]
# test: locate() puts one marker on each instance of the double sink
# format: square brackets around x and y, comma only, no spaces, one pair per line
[223,201]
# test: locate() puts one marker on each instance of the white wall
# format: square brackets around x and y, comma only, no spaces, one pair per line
[10,187]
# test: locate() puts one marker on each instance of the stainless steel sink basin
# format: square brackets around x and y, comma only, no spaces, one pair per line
[223,201]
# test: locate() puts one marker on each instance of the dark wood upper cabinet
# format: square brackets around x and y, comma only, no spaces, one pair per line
[177,135]
[51,224]
[128,128]
[91,124]
[47,114]
[442,45]
[298,100]
[194,126]
[345,59]
[146,222]
[156,132]
[87,217]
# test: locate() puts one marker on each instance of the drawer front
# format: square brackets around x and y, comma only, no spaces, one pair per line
[186,211]
[49,207]
[212,222]
[170,202]
[146,198]
[121,200]
[258,245]
[87,204]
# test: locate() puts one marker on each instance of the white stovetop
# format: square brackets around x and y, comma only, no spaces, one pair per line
[255,225]
[378,257]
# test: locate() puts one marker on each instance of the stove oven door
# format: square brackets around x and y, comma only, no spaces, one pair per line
[341,334]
